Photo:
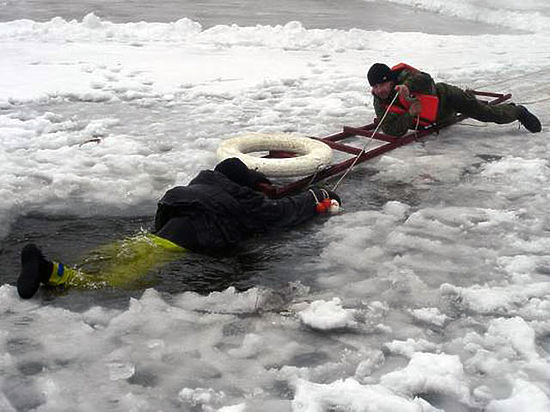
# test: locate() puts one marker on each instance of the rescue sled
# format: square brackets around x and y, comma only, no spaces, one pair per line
[386,143]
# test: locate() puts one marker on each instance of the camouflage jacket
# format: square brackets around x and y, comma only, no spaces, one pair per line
[398,124]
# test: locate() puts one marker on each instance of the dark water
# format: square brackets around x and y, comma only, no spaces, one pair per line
[262,261]
[259,262]
[338,14]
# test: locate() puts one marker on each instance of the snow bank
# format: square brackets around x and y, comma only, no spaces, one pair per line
[505,13]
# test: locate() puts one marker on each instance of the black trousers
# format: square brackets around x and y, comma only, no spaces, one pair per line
[180,230]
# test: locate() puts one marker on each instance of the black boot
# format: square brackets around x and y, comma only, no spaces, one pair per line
[529,120]
[34,269]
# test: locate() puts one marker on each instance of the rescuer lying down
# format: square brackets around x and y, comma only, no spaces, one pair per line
[216,211]
[421,101]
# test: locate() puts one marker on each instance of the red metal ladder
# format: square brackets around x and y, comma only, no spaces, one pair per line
[391,143]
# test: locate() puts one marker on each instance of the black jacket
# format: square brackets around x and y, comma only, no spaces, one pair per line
[213,212]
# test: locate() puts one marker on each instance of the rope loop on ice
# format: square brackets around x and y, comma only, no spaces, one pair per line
[370,139]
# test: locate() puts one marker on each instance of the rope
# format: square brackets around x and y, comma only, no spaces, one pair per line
[314,196]
[314,174]
[367,143]
[416,127]
[471,125]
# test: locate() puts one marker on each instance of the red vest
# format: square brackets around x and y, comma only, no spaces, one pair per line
[429,103]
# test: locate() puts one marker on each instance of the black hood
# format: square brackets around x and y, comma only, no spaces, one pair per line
[235,170]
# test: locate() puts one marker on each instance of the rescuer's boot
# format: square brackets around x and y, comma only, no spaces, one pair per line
[529,120]
[34,269]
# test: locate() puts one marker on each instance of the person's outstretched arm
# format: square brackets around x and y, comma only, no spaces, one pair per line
[292,210]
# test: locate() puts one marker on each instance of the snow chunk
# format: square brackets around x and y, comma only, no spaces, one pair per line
[200,396]
[327,315]
[230,301]
[351,396]
[227,301]
[508,299]
[374,360]
[525,397]
[428,372]
[410,346]
[517,333]
[397,209]
[91,21]
[429,315]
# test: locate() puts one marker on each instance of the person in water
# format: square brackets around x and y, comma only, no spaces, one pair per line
[421,101]
[216,211]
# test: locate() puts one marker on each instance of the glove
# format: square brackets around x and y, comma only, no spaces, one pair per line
[333,195]
[322,193]
[322,196]
[404,91]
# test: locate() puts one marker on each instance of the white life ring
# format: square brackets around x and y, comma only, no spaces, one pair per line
[312,154]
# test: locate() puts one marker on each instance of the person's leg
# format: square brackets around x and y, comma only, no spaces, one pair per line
[123,263]
[200,233]
[36,269]
[465,102]
[117,265]
[181,231]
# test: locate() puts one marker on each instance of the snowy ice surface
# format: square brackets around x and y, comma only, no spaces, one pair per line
[436,299]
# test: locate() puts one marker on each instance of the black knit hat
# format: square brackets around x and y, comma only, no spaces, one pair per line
[234,169]
[379,73]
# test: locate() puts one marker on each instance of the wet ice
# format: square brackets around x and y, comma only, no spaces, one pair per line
[435,298]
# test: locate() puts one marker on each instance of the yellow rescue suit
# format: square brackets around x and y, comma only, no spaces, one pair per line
[118,264]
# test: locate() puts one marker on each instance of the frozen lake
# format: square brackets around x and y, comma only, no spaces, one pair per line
[344,14]
[429,292]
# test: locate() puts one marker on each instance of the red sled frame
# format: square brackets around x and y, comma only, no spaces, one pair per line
[334,141]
